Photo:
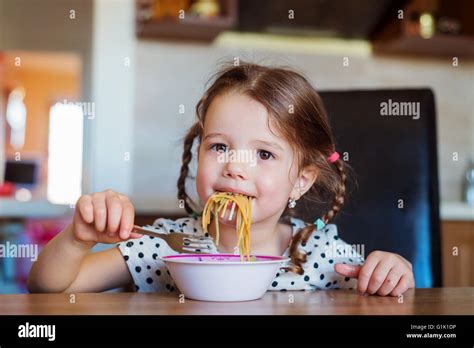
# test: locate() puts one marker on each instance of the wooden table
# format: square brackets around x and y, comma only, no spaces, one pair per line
[455,301]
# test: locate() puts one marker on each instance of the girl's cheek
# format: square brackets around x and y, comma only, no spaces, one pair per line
[202,184]
[273,191]
[206,177]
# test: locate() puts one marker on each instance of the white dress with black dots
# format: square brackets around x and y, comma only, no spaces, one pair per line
[324,249]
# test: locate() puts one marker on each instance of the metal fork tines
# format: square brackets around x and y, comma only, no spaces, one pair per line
[180,242]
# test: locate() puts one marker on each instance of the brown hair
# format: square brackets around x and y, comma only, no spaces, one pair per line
[299,115]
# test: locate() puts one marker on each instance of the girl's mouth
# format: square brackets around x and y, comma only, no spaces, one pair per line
[228,214]
[234,192]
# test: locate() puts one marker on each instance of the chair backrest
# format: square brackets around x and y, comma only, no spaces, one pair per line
[388,137]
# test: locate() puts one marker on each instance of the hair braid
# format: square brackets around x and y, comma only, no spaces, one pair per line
[340,192]
[301,237]
[193,132]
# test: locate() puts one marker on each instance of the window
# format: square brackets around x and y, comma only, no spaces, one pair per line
[65,153]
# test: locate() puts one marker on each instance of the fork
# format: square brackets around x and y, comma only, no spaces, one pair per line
[180,242]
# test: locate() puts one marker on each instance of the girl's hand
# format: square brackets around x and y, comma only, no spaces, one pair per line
[383,273]
[103,217]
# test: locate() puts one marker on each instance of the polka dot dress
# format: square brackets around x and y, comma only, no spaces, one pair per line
[324,249]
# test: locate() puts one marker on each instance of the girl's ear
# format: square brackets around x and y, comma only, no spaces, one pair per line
[304,182]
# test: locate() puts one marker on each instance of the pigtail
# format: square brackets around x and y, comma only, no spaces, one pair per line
[340,192]
[298,257]
[338,188]
[193,132]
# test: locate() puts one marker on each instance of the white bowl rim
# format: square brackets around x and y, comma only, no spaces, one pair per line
[180,258]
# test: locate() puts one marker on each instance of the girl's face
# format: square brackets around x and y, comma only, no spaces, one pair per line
[239,153]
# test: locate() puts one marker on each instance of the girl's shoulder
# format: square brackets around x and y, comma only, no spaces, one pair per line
[326,243]
[327,232]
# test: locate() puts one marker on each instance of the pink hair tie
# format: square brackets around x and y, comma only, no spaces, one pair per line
[334,157]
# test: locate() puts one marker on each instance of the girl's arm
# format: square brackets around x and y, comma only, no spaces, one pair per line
[66,264]
[101,271]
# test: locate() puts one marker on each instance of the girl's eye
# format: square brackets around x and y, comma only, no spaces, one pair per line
[218,147]
[265,155]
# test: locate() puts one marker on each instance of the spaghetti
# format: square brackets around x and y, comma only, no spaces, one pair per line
[218,203]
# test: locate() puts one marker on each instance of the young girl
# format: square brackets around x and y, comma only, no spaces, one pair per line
[276,115]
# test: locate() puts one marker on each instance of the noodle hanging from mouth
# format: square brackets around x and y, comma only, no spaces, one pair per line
[218,203]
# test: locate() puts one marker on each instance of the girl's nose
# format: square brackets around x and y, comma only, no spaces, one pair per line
[234,170]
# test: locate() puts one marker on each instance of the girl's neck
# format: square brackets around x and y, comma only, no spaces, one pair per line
[267,237]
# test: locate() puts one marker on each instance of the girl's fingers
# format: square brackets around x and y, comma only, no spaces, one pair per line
[346,270]
[366,272]
[136,235]
[378,276]
[128,218]
[100,211]
[86,209]
[130,221]
[390,282]
[114,213]
[403,285]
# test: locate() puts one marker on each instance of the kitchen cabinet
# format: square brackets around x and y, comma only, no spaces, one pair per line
[457,252]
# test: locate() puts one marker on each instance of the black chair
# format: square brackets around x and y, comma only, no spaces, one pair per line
[394,158]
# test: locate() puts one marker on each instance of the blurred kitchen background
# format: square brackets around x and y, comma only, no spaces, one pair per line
[97,94]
